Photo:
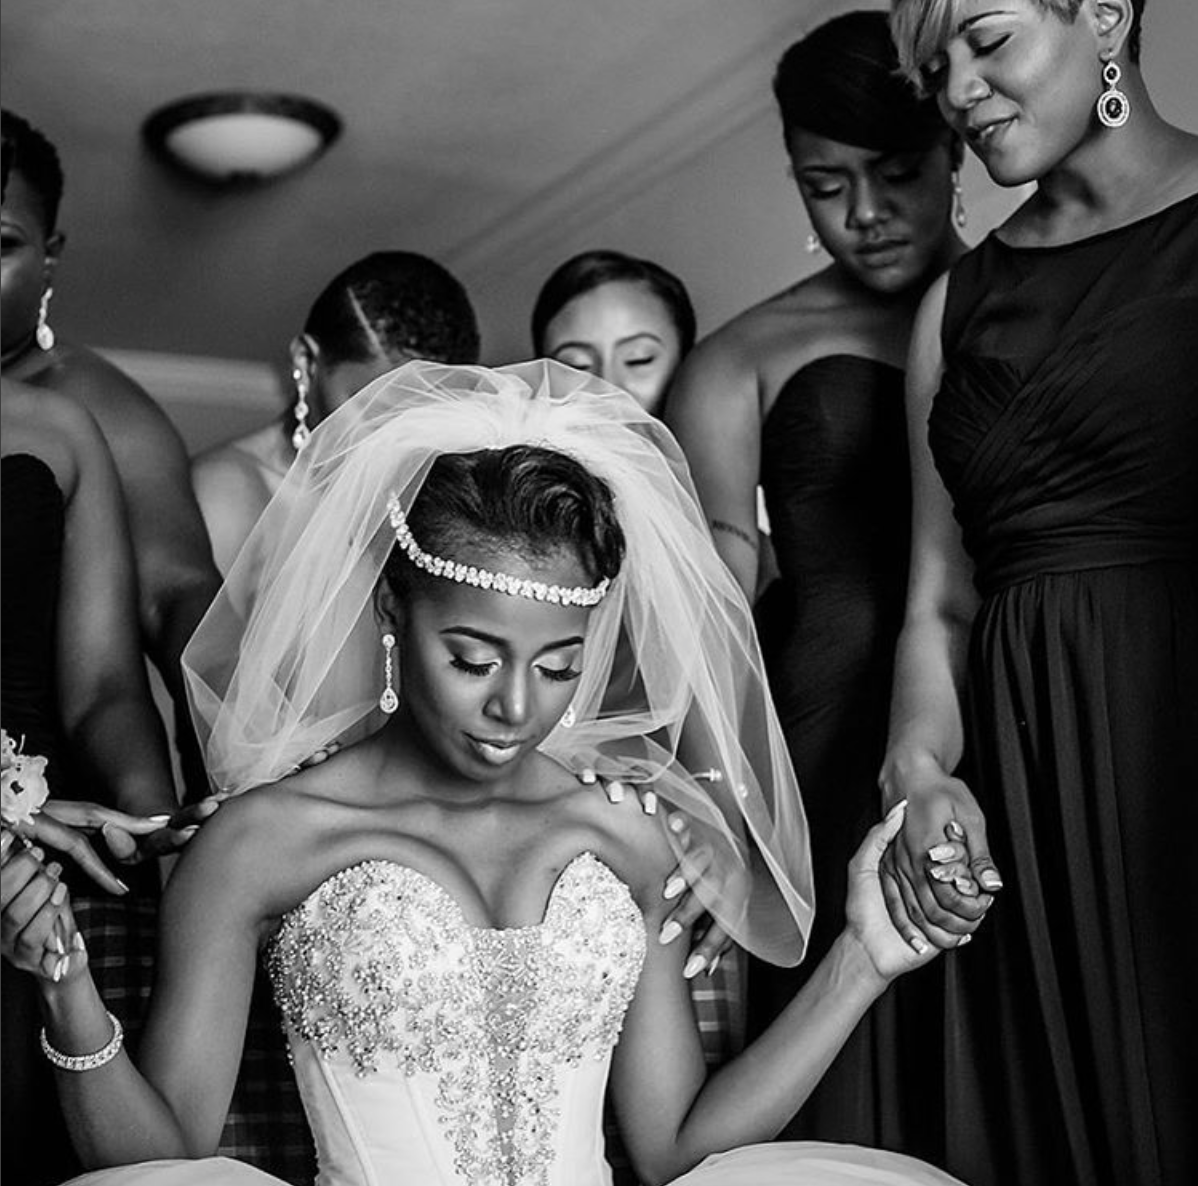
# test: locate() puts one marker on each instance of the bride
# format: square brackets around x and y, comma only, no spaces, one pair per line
[480,581]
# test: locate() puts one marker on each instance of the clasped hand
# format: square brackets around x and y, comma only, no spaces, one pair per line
[938,877]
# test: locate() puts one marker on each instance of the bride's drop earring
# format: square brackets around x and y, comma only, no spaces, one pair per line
[299,438]
[568,718]
[1113,105]
[388,701]
[814,246]
[959,215]
[44,334]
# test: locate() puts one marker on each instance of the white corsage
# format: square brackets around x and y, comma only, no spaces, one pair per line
[22,782]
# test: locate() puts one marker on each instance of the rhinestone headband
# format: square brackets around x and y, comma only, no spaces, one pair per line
[482,578]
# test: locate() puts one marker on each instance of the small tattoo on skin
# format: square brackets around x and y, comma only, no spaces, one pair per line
[732,529]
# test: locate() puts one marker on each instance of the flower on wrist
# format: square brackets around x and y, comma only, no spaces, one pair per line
[23,787]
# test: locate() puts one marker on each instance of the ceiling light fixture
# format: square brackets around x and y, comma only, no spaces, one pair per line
[240,137]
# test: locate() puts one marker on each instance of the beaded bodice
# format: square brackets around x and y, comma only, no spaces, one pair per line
[486,1048]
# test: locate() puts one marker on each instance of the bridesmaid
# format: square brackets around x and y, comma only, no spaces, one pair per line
[627,320]
[379,312]
[1046,690]
[176,579]
[74,691]
[803,394]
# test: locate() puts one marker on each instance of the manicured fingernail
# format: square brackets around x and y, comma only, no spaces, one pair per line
[59,946]
[942,852]
[990,879]
[123,886]
[615,792]
[77,942]
[190,831]
[674,887]
[677,823]
[963,940]
[955,830]
[160,819]
[38,854]
[59,895]
[918,944]
[965,886]
[670,930]
[901,805]
[715,963]
[56,975]
[54,869]
[649,802]
[940,873]
[694,966]
[587,776]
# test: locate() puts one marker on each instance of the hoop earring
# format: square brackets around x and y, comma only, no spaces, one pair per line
[959,215]
[44,335]
[569,717]
[388,701]
[299,438]
[1113,106]
[814,246]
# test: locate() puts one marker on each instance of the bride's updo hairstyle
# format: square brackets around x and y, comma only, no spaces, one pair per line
[526,499]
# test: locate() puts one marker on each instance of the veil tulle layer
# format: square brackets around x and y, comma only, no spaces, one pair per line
[287,660]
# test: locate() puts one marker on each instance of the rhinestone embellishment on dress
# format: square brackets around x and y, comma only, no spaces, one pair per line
[379,966]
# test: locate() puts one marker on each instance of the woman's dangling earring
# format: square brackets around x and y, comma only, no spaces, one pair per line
[959,215]
[814,246]
[388,701]
[568,718]
[44,334]
[1113,105]
[299,438]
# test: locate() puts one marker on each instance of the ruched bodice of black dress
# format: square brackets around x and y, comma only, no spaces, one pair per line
[1066,431]
[835,472]
[31,531]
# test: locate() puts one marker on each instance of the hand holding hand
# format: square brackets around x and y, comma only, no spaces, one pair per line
[938,877]
[37,928]
[893,947]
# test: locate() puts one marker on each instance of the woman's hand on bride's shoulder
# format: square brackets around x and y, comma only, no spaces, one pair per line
[875,911]
[710,941]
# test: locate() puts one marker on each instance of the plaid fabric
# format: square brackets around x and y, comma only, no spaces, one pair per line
[266,1125]
[121,936]
[719,1004]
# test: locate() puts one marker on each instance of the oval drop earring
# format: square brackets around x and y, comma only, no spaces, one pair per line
[1113,106]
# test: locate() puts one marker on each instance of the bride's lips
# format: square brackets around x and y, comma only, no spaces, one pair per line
[496,751]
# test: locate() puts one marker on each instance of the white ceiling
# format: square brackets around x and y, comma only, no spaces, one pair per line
[474,130]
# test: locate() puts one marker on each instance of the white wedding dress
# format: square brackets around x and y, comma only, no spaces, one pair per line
[432,1052]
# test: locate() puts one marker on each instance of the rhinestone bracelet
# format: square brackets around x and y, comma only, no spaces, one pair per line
[86,1062]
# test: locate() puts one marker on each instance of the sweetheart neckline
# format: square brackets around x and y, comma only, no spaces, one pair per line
[441,891]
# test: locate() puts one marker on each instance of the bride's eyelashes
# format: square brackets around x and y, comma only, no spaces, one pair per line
[481,670]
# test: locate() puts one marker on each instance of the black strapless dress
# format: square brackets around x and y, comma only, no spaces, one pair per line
[836,476]
[1066,430]
[119,932]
